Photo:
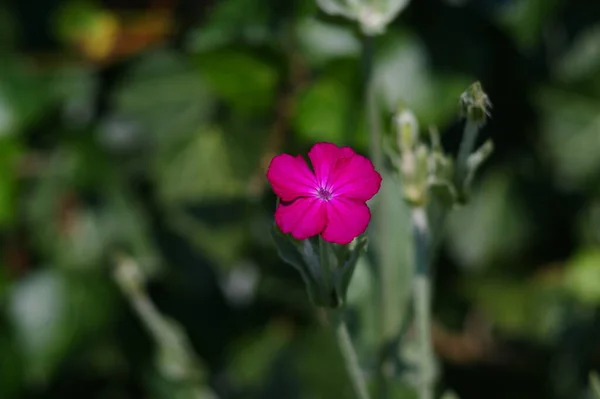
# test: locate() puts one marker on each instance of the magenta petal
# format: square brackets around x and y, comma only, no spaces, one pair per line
[355,177]
[346,220]
[324,157]
[291,177]
[303,218]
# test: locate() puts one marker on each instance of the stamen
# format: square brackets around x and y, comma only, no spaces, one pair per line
[324,194]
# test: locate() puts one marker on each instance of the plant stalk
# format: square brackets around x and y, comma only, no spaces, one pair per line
[467,145]
[350,358]
[422,302]
[373,123]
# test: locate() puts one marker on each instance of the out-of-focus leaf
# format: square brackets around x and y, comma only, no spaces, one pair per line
[199,170]
[324,107]
[595,384]
[401,389]
[582,59]
[10,150]
[164,95]
[530,309]
[322,42]
[222,243]
[492,228]
[582,277]
[319,362]
[589,224]
[344,273]
[11,377]
[252,357]
[245,81]
[230,22]
[51,314]
[75,88]
[392,243]
[526,19]
[570,124]
[23,95]
[403,78]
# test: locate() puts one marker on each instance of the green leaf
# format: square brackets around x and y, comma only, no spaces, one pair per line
[10,150]
[245,81]
[595,384]
[24,95]
[232,22]
[570,125]
[181,170]
[391,241]
[582,276]
[163,94]
[290,254]
[322,41]
[523,309]
[443,191]
[344,272]
[324,107]
[53,313]
[492,229]
[525,20]
[253,356]
[320,366]
[11,364]
[582,59]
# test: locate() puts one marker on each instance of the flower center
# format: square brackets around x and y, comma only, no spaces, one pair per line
[324,194]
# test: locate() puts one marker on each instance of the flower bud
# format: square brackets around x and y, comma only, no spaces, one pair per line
[407,130]
[475,104]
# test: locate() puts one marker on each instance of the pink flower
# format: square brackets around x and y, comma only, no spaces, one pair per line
[330,201]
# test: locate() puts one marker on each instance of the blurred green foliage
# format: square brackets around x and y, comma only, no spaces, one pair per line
[146,129]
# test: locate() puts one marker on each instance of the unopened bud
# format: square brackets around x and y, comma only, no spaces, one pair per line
[407,130]
[475,104]
[440,166]
[415,175]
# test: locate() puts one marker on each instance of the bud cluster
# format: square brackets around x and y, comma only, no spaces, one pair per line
[424,167]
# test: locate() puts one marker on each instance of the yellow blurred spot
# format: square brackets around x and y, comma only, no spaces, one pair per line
[98,42]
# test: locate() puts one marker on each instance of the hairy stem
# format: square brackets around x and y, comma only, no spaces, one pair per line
[350,358]
[178,361]
[376,154]
[422,303]
[373,122]
[466,148]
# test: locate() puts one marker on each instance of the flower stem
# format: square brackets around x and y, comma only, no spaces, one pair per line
[368,58]
[177,359]
[466,148]
[422,303]
[350,358]
[376,155]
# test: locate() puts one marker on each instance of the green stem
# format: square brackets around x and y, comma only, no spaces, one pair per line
[380,220]
[350,358]
[466,148]
[373,121]
[422,303]
[325,266]
[173,345]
